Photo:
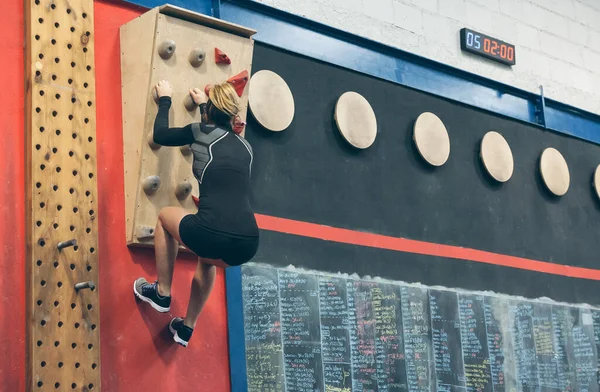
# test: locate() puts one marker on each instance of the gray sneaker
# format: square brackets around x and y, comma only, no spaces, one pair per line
[148,292]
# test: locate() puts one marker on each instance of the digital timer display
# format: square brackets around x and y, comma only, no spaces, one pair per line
[486,46]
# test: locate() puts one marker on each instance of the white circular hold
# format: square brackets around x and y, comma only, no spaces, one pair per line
[496,156]
[555,171]
[355,119]
[597,181]
[271,101]
[431,138]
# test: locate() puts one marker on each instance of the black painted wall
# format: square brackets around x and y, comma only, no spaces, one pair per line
[309,173]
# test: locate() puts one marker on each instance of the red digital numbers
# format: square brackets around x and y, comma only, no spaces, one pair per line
[504,51]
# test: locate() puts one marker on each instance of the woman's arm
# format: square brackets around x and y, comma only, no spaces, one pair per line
[166,136]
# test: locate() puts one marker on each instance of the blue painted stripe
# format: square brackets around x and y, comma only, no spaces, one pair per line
[202,6]
[235,322]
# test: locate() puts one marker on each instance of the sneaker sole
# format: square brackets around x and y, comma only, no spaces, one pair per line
[157,307]
[176,337]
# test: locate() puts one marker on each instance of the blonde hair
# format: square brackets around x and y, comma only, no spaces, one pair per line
[224,97]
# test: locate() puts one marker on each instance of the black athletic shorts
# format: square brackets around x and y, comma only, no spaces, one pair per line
[233,250]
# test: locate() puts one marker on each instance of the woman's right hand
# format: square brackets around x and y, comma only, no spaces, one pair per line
[164,89]
[198,96]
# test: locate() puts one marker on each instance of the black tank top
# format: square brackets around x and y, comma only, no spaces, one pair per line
[222,165]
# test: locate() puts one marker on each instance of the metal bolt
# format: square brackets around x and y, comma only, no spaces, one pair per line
[66,244]
[85,285]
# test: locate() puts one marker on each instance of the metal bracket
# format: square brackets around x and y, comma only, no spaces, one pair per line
[540,109]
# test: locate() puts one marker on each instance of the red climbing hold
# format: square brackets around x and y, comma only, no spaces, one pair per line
[238,125]
[221,57]
[196,200]
[207,89]
[239,82]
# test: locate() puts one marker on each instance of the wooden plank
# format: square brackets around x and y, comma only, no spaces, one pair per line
[209,21]
[136,53]
[63,325]
[170,164]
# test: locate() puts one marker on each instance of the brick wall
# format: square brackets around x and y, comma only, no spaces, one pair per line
[557,41]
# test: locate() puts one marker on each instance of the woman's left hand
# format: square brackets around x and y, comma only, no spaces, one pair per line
[164,89]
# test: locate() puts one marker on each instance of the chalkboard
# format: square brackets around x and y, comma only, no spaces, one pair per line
[312,331]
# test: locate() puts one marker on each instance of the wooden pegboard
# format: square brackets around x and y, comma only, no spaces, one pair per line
[63,323]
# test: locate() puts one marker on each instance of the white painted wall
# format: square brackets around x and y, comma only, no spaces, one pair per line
[557,41]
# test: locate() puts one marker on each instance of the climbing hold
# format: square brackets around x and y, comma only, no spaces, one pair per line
[196,201]
[151,143]
[196,57]
[189,103]
[183,189]
[151,184]
[238,125]
[207,89]
[154,95]
[239,82]
[186,150]
[221,57]
[144,232]
[166,49]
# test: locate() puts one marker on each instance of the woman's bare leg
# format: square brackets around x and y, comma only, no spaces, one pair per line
[202,285]
[166,246]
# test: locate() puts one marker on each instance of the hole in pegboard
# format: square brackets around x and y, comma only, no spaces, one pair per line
[53,6]
[60,364]
[71,190]
[69,46]
[86,120]
[74,135]
[37,2]
[43,283]
[90,139]
[57,96]
[74,173]
[73,386]
[86,156]
[54,77]
[55,188]
[41,20]
[77,365]
[58,169]
[88,67]
[43,323]
[37,37]
[42,166]
[72,266]
[74,345]
[70,81]
[93,327]
[87,193]
[39,263]
[72,31]
[88,230]
[91,212]
[70,115]
[56,264]
[68,10]
[85,49]
[94,366]
[56,304]
[57,25]
[84,15]
[39,343]
[73,305]
[56,60]
[87,33]
[41,56]
[90,307]
[75,210]
[59,284]
[71,153]
[38,223]
[72,228]
[76,325]
[59,207]
[43,364]
[56,343]
[90,386]
[85,85]
[38,146]
[38,184]
[53,41]
[41,242]
[39,302]
[91,175]
[54,113]
[57,385]
[92,250]
[42,205]
[55,150]
[55,225]
[60,324]
[73,64]
[89,103]
[90,346]
[75,248]
[40,384]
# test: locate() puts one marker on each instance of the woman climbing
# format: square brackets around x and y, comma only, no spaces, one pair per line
[223,232]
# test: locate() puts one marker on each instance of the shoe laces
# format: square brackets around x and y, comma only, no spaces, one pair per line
[149,288]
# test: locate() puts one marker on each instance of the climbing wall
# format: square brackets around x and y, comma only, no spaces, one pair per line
[189,50]
[63,314]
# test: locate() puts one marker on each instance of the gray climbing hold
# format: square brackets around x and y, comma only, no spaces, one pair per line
[183,190]
[151,184]
[196,57]
[166,49]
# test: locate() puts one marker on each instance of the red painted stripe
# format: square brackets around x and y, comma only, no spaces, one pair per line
[346,236]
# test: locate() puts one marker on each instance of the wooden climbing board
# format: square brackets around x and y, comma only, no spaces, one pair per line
[143,65]
[63,323]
